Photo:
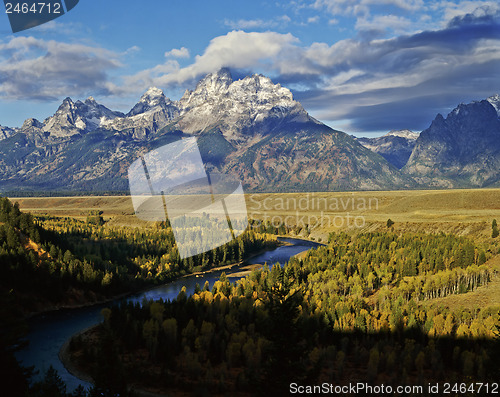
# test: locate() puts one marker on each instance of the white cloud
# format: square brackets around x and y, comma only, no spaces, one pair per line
[402,80]
[132,50]
[362,7]
[395,17]
[342,7]
[133,84]
[450,9]
[178,53]
[237,49]
[251,24]
[374,16]
[61,28]
[408,5]
[347,67]
[32,68]
[397,24]
[334,81]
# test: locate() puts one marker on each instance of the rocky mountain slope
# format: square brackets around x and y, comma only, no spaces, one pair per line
[395,146]
[77,117]
[250,127]
[462,150]
[153,111]
[5,132]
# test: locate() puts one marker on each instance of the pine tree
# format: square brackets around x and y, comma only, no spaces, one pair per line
[494,229]
[52,385]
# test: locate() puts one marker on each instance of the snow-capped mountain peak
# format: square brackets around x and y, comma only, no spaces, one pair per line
[216,81]
[239,105]
[213,85]
[153,111]
[495,102]
[395,146]
[76,117]
[65,121]
[403,134]
[152,100]
[152,94]
[91,101]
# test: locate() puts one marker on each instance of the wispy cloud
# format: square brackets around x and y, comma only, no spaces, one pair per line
[132,50]
[407,5]
[61,28]
[402,16]
[254,24]
[383,23]
[363,7]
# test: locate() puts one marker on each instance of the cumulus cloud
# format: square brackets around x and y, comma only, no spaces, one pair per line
[237,49]
[178,53]
[37,69]
[134,84]
[398,82]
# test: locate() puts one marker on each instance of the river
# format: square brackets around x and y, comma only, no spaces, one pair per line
[49,331]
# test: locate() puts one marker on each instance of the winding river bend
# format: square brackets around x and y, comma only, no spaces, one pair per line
[49,331]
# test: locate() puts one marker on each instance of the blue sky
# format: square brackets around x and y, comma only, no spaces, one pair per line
[362,66]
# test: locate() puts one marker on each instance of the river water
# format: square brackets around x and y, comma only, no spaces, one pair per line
[49,331]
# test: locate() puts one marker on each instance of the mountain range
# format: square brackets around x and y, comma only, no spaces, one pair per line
[461,150]
[251,128]
[396,146]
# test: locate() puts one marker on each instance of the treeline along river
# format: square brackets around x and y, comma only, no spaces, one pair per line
[49,331]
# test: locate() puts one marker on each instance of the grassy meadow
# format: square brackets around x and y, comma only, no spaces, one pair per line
[463,211]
